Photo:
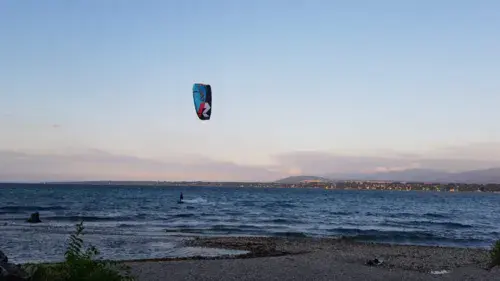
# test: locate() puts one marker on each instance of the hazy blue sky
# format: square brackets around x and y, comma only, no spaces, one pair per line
[341,80]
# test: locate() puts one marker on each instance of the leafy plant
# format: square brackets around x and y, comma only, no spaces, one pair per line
[80,264]
[495,254]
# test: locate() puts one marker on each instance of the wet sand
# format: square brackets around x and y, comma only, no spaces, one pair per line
[319,259]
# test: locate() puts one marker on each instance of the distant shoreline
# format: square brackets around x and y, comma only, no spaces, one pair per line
[342,185]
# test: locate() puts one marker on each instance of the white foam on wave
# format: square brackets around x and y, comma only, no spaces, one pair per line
[162,245]
[439,272]
[195,200]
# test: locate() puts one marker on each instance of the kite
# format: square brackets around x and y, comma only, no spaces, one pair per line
[202,96]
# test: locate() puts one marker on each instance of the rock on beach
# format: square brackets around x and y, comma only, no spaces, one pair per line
[10,271]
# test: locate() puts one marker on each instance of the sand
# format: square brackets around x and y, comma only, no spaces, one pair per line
[319,259]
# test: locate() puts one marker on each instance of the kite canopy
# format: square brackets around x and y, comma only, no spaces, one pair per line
[202,96]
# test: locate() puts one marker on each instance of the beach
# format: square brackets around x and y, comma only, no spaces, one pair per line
[319,259]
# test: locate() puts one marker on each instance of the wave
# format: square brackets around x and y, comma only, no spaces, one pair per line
[374,235]
[340,213]
[19,209]
[416,223]
[246,203]
[279,205]
[290,234]
[185,215]
[406,215]
[87,218]
[282,221]
[238,228]
[436,216]
[128,225]
[217,229]
[201,216]
[378,235]
[234,213]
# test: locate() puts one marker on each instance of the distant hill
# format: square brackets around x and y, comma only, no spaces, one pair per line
[427,175]
[477,176]
[299,179]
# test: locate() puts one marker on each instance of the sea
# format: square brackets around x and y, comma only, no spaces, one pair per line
[137,222]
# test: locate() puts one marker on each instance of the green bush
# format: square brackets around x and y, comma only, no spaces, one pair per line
[79,265]
[495,254]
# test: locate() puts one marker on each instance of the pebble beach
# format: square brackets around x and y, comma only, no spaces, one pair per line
[319,259]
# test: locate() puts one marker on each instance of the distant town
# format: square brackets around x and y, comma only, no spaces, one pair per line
[319,184]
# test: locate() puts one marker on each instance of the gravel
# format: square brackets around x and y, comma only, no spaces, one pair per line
[319,259]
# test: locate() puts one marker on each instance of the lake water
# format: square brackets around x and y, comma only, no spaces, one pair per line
[127,222]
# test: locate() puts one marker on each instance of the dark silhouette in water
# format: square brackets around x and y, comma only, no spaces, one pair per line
[181,199]
[34,218]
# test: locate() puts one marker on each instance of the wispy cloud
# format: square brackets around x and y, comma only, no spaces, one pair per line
[94,164]
[453,158]
[100,165]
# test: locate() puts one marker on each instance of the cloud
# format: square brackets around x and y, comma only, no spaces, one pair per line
[319,163]
[484,151]
[452,159]
[93,164]
[100,165]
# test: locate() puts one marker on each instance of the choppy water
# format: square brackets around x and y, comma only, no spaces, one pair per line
[147,222]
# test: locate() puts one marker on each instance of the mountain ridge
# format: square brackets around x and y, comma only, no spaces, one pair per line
[478,176]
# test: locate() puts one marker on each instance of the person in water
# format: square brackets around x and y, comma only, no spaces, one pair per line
[182,197]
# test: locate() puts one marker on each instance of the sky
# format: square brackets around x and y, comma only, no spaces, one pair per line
[103,89]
